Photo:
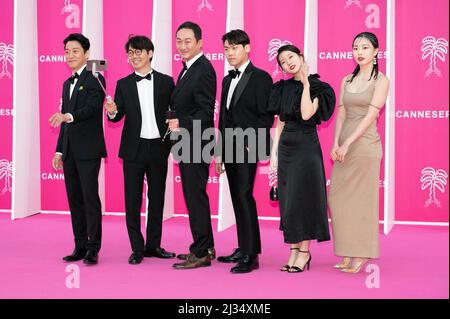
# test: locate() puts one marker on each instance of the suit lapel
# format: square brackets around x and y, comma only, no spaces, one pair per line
[226,89]
[242,84]
[66,96]
[132,85]
[73,98]
[156,85]
[187,76]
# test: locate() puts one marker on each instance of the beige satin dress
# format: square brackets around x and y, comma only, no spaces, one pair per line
[354,190]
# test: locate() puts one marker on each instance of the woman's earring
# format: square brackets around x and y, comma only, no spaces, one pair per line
[374,61]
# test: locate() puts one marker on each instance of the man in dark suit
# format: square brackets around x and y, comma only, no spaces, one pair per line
[243,109]
[81,145]
[143,98]
[193,100]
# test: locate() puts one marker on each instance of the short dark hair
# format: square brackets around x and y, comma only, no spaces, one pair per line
[236,37]
[84,42]
[288,47]
[139,42]
[192,26]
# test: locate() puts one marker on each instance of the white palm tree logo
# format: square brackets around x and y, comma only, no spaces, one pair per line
[6,173]
[274,45]
[204,4]
[348,3]
[6,57]
[273,178]
[216,109]
[433,179]
[432,48]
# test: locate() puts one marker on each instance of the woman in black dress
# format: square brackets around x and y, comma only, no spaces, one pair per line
[301,104]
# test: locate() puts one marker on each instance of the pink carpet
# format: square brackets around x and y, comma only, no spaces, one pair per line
[414,264]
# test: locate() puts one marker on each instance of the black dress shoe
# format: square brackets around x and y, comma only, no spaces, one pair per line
[135,258]
[235,257]
[159,253]
[211,254]
[91,257]
[77,254]
[247,264]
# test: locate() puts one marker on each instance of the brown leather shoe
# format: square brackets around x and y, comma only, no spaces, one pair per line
[211,254]
[193,262]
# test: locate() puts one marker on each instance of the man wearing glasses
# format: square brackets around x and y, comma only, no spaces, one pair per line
[143,98]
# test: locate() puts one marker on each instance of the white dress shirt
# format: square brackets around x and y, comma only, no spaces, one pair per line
[72,85]
[149,128]
[234,83]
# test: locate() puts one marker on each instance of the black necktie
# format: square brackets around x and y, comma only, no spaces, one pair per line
[182,71]
[73,77]
[234,73]
[138,77]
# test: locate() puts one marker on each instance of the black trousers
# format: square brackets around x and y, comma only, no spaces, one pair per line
[194,178]
[150,161]
[81,179]
[241,179]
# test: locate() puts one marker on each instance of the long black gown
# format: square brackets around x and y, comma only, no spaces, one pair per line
[301,175]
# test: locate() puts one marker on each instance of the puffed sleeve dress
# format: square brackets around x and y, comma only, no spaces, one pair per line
[301,175]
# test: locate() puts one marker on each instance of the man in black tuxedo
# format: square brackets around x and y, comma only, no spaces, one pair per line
[243,106]
[193,100]
[81,145]
[143,98]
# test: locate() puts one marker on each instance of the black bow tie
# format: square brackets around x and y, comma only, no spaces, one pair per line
[73,77]
[234,73]
[138,77]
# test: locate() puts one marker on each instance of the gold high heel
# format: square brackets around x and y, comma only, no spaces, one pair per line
[356,268]
[343,264]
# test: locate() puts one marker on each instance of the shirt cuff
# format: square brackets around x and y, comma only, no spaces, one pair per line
[112,116]
[58,153]
[71,118]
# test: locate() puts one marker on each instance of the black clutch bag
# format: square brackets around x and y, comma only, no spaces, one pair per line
[273,181]
[274,193]
[170,115]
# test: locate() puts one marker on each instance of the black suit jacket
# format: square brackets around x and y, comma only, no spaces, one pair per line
[84,135]
[249,105]
[194,96]
[127,101]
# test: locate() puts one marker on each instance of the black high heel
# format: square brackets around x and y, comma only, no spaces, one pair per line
[287,267]
[293,269]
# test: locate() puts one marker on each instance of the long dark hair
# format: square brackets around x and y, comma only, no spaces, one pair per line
[373,39]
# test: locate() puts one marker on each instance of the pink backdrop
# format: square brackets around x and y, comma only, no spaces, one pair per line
[212,20]
[56,20]
[422,111]
[116,15]
[339,22]
[279,26]
[6,101]
[421,86]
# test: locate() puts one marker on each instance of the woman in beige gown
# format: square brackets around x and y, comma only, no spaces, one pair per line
[357,153]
